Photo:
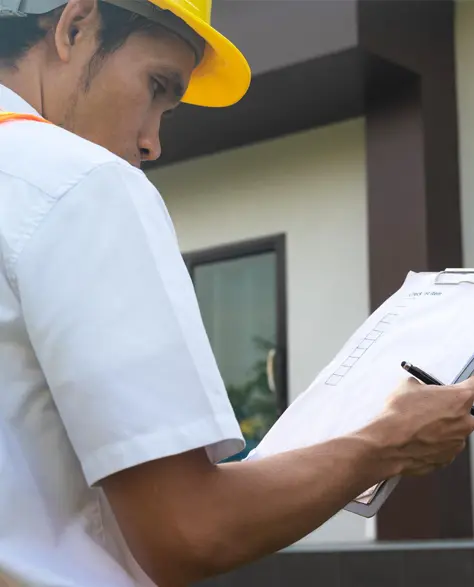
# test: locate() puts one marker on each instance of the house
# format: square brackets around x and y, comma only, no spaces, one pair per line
[300,209]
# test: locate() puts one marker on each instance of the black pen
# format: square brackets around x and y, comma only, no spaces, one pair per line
[421,375]
[424,377]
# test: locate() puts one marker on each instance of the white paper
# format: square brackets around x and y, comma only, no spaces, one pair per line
[430,325]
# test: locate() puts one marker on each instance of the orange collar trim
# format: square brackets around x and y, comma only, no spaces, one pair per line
[11,116]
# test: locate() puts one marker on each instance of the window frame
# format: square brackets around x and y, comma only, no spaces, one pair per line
[248,248]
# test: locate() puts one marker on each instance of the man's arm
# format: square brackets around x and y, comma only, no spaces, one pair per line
[185,519]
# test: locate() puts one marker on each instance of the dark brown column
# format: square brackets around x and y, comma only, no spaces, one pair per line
[414,211]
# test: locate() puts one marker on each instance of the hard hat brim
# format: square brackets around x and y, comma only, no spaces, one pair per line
[223,76]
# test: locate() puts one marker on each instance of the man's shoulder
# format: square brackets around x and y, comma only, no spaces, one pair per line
[42,165]
[53,159]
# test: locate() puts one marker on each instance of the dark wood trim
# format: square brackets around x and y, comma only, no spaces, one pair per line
[414,211]
[370,567]
[397,238]
[305,95]
[238,250]
[281,365]
[396,187]
[234,250]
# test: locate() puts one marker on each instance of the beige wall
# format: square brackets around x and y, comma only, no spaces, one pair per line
[311,186]
[464,25]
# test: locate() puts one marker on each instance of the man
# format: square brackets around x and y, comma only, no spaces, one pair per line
[112,411]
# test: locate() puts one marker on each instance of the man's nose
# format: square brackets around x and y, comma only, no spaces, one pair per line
[150,147]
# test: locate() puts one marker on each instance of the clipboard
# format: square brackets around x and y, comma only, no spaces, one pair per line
[454,277]
[353,388]
[448,277]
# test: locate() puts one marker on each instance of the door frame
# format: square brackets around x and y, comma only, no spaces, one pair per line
[247,248]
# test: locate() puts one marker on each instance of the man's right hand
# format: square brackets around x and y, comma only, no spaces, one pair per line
[425,427]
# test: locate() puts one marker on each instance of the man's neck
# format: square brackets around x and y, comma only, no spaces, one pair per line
[25,80]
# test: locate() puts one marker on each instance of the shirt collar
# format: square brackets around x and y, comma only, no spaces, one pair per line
[12,102]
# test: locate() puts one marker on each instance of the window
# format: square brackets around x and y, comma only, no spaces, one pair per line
[241,294]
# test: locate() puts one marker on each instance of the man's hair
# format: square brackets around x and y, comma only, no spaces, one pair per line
[19,34]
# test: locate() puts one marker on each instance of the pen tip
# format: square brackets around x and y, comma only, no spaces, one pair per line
[405,365]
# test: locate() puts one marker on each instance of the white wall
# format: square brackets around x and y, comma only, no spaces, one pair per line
[464,29]
[311,186]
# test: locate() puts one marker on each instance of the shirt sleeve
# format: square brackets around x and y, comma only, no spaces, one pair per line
[113,318]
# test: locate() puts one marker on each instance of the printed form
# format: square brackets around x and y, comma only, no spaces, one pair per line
[428,322]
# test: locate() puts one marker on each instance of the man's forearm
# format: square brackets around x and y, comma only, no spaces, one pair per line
[191,519]
[266,505]
[250,509]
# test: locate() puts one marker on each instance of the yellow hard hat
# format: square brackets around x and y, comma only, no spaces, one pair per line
[223,76]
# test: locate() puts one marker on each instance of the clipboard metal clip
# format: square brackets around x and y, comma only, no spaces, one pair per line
[454,276]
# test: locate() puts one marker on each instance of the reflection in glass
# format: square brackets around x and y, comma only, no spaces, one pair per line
[237,299]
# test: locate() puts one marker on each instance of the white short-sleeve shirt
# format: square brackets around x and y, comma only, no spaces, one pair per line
[104,360]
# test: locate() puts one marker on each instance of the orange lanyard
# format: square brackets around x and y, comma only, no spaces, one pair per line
[10,116]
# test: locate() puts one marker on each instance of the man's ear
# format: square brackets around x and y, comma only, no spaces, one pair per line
[78,22]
